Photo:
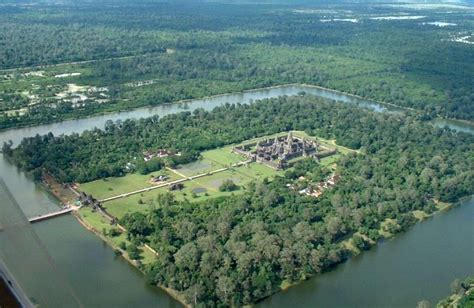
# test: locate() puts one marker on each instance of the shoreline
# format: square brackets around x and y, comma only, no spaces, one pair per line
[285,285]
[185,101]
[172,293]
[50,185]
[420,216]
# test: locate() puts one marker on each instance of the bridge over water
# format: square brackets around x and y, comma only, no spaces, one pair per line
[23,254]
[53,214]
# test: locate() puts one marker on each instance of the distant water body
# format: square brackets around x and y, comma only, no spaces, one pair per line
[80,125]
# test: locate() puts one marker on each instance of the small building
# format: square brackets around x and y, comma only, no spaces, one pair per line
[176,186]
[160,178]
[160,153]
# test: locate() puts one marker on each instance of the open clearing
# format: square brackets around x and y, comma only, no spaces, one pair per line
[109,187]
[198,189]
[101,225]
[207,185]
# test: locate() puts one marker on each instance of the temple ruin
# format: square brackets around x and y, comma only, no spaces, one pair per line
[278,152]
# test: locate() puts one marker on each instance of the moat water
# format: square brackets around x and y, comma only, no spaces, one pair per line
[419,264]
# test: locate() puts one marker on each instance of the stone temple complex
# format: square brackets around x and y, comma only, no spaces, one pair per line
[278,152]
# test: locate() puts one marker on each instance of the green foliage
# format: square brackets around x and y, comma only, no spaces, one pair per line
[237,250]
[219,48]
[114,232]
[309,169]
[462,294]
[145,167]
[228,185]
[133,252]
[360,242]
[418,158]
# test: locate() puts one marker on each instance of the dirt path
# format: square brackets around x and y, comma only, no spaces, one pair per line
[176,172]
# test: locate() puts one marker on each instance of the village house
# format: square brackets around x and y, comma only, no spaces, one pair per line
[161,153]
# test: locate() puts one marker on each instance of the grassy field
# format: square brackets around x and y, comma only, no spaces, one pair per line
[100,224]
[200,189]
[196,190]
[211,160]
[109,187]
[331,161]
[135,203]
[258,171]
[222,156]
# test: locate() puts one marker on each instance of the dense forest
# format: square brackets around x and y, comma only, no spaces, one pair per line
[237,250]
[183,50]
[102,153]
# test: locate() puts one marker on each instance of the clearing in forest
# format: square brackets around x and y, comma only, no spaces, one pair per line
[202,179]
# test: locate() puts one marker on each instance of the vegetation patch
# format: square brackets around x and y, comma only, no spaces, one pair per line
[462,295]
[130,62]
[237,247]
[114,186]
[116,238]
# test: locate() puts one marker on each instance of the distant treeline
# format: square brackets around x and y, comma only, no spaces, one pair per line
[221,47]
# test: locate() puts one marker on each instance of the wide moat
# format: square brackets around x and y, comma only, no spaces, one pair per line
[419,264]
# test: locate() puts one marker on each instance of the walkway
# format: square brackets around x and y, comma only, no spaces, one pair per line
[184,179]
[54,214]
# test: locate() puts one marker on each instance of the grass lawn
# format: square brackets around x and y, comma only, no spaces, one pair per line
[99,223]
[331,161]
[109,187]
[222,156]
[197,167]
[213,182]
[211,160]
[258,171]
[131,204]
[196,190]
